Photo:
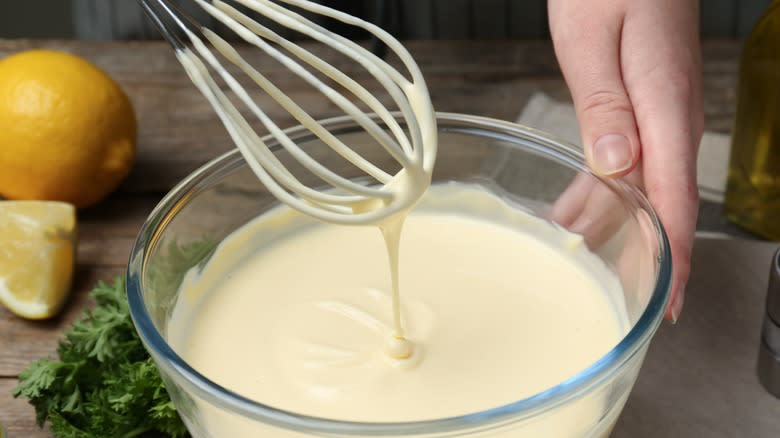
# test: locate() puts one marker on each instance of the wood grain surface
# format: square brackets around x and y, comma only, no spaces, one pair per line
[178,133]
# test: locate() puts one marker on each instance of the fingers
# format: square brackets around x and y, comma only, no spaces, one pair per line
[602,217]
[664,86]
[651,47]
[670,182]
[671,187]
[590,208]
[587,38]
[603,213]
[572,201]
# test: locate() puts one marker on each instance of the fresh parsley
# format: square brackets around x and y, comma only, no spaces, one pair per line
[104,383]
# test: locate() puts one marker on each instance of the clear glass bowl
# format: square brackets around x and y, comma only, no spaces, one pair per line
[542,174]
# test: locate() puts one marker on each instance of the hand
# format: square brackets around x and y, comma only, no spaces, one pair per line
[634,71]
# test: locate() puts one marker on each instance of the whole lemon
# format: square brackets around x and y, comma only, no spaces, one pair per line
[67,131]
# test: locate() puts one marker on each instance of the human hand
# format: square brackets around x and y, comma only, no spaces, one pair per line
[634,71]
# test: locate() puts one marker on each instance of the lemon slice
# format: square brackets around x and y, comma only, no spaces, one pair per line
[37,255]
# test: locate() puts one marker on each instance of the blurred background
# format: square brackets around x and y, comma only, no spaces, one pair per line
[409,19]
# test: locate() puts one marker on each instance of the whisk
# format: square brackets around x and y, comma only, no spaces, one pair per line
[412,143]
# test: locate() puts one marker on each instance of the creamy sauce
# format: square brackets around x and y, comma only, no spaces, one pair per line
[500,305]
[413,148]
[303,316]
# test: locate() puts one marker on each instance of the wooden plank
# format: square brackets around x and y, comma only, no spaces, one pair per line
[178,130]
[105,251]
[718,18]
[451,19]
[119,215]
[527,19]
[16,415]
[152,64]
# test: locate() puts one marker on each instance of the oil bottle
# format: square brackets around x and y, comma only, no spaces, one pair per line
[753,189]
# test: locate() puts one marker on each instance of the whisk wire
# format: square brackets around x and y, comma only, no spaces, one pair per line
[263,155]
[305,159]
[428,154]
[238,129]
[393,81]
[201,51]
[342,102]
[327,69]
[306,27]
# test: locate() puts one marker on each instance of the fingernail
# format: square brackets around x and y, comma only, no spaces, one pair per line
[677,303]
[611,153]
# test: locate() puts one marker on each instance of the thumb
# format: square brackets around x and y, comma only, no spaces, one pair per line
[609,132]
[588,52]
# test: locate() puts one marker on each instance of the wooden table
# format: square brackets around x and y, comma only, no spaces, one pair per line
[178,132]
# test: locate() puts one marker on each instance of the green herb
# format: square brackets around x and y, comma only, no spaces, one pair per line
[104,383]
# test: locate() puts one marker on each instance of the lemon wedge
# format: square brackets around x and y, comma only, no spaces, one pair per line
[37,256]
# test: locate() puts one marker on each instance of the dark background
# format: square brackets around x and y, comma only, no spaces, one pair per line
[413,19]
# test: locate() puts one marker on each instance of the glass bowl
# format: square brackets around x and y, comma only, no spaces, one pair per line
[543,175]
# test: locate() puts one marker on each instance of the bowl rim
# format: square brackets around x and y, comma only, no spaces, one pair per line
[595,374]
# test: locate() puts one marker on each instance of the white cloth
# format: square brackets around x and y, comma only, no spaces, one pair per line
[559,119]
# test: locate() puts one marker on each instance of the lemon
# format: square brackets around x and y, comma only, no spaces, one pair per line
[67,130]
[37,254]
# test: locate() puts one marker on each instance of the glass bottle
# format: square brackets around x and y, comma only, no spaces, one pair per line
[753,189]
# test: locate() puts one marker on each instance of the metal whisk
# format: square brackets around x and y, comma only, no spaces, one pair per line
[201,51]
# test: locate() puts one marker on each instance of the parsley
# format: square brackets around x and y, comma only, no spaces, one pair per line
[104,384]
